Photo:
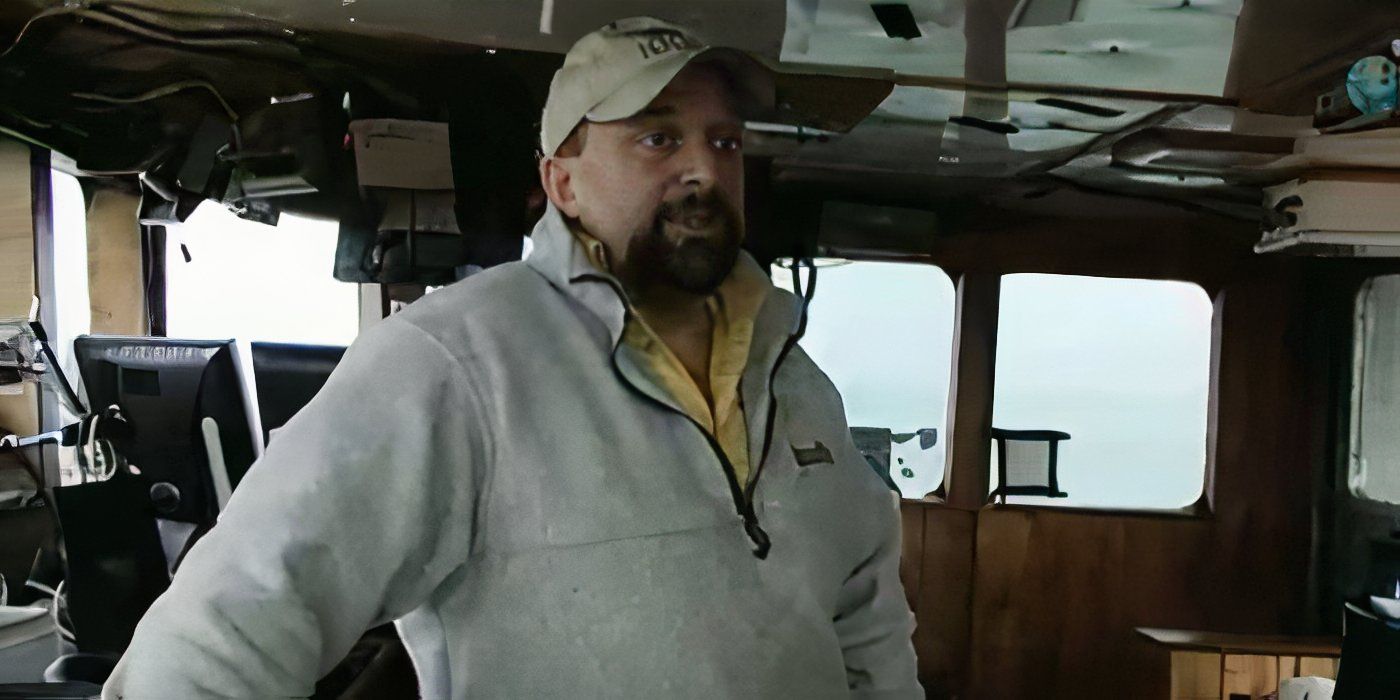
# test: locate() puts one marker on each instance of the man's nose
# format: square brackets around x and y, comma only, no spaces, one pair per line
[699,164]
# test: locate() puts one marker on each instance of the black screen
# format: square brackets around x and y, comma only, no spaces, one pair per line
[165,388]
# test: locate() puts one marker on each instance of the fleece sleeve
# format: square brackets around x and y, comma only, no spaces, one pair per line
[362,505]
[873,621]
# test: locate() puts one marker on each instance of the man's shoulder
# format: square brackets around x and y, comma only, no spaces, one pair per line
[479,297]
[489,303]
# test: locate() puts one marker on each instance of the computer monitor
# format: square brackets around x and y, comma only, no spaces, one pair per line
[287,377]
[179,397]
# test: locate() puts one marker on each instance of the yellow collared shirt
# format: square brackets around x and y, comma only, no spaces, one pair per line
[732,309]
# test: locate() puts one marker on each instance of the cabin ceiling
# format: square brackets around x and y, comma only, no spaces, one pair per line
[1197,102]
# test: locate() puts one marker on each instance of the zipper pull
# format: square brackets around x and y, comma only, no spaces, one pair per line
[761,543]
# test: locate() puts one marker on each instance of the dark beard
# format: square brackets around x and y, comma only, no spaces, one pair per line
[695,264]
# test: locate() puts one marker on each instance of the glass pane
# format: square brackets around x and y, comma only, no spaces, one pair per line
[253,282]
[883,332]
[1375,438]
[72,307]
[1129,44]
[1123,366]
[72,304]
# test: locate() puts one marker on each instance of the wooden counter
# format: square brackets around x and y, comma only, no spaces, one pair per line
[1230,666]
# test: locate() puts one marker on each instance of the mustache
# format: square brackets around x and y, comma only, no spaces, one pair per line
[709,204]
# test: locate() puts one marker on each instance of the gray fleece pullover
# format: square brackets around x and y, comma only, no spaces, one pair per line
[492,470]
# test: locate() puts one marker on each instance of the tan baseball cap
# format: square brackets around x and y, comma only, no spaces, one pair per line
[616,71]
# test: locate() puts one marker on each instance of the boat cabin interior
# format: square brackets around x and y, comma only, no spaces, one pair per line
[1110,289]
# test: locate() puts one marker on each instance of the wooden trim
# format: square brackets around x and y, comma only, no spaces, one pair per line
[1329,646]
[971,388]
[41,207]
[1217,335]
[1195,511]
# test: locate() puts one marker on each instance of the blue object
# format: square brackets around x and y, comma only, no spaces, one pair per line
[1371,85]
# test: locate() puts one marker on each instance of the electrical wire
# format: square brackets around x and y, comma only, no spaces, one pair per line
[85,12]
[40,587]
[138,29]
[24,460]
[171,89]
[109,19]
[60,599]
[96,457]
[50,12]
[133,12]
[84,437]
[31,122]
[163,91]
[75,404]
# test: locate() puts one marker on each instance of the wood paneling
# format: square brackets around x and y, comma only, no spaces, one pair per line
[1252,676]
[942,600]
[1057,594]
[1054,595]
[911,556]
[1327,668]
[1195,675]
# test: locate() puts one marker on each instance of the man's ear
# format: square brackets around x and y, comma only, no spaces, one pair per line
[558,185]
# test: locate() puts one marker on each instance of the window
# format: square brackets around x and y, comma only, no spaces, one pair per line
[883,332]
[1375,407]
[72,308]
[1123,367]
[254,282]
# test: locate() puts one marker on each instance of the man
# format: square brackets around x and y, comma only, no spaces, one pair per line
[562,477]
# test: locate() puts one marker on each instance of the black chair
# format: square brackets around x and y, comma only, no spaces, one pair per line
[287,377]
[116,569]
[1027,463]
[1370,654]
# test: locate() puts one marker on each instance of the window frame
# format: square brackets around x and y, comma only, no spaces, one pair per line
[1351,397]
[1202,508]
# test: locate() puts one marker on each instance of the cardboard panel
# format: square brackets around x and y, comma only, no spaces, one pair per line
[16,231]
[19,413]
[114,264]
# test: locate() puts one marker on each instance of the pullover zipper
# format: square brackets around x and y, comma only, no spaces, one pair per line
[743,502]
[742,495]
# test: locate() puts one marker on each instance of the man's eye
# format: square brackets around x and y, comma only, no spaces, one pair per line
[657,140]
[729,144]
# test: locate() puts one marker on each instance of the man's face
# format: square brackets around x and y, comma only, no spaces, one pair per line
[663,190]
